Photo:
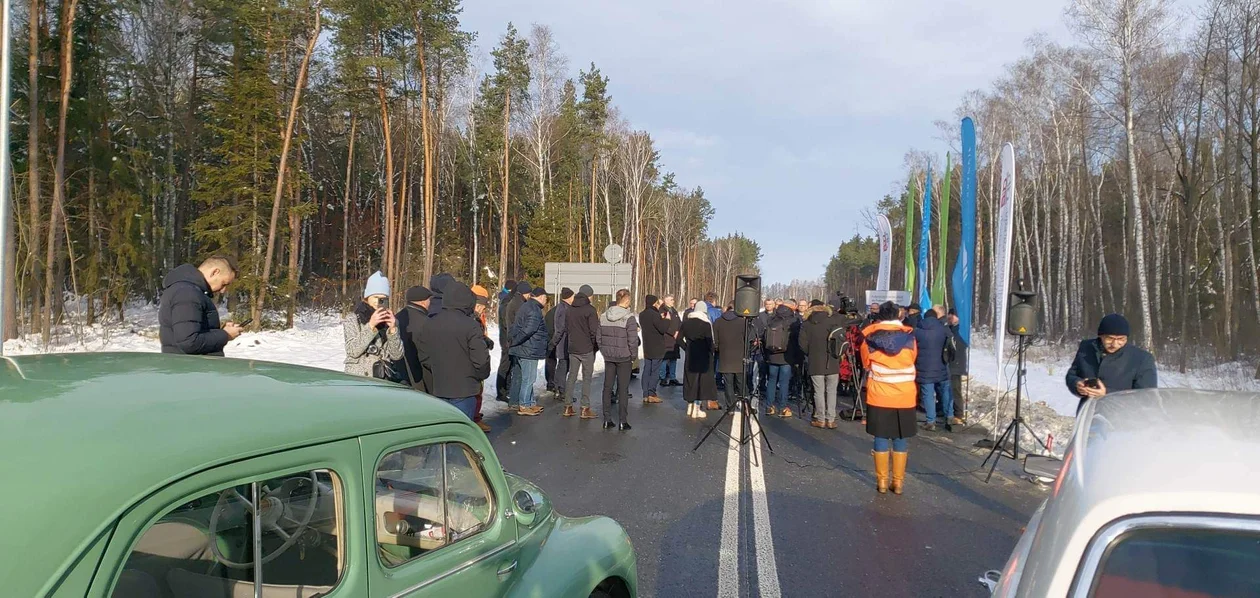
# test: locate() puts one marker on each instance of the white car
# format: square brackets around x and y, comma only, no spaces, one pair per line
[1158,495]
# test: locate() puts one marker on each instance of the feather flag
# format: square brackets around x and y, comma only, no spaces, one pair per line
[964,281]
[885,252]
[938,281]
[925,229]
[1002,257]
[908,210]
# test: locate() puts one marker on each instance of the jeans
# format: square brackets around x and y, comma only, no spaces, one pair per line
[928,392]
[777,384]
[825,396]
[617,372]
[899,445]
[649,383]
[585,362]
[525,372]
[669,370]
[468,405]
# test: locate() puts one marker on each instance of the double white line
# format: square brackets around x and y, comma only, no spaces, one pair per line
[728,551]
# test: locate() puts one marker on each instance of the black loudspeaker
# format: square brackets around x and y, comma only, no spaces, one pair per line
[747,295]
[1021,315]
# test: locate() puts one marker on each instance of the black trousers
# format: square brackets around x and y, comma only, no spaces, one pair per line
[501,376]
[960,400]
[617,373]
[735,387]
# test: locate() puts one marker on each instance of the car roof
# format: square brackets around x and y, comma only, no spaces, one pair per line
[83,436]
[1163,440]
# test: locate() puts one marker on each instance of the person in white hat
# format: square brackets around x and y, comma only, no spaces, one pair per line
[373,347]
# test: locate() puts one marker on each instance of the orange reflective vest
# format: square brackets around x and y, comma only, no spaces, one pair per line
[888,355]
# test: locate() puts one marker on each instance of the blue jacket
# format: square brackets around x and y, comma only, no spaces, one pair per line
[529,332]
[930,367]
[715,313]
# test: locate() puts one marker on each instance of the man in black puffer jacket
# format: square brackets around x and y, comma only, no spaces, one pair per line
[824,366]
[189,321]
[581,326]
[437,286]
[529,346]
[730,339]
[455,350]
[655,328]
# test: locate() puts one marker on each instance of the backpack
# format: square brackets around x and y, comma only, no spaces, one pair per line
[777,337]
[950,353]
[836,342]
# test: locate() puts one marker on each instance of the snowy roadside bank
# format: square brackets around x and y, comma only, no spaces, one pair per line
[316,340]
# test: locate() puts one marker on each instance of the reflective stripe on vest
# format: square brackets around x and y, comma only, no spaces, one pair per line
[883,373]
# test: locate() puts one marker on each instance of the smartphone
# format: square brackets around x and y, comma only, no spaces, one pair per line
[1091,382]
[246,323]
[383,303]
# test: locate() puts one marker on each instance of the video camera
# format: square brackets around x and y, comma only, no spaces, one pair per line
[847,305]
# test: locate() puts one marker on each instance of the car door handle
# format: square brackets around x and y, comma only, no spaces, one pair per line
[507,569]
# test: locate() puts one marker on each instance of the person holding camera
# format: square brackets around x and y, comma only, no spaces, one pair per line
[372,340]
[1109,363]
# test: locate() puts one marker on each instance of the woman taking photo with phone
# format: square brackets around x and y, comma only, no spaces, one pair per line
[372,342]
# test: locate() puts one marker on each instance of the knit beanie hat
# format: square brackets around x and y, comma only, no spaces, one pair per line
[586,290]
[377,284]
[539,292]
[566,292]
[524,288]
[1113,325]
[650,300]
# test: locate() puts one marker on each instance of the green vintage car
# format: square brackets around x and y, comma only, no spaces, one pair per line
[153,476]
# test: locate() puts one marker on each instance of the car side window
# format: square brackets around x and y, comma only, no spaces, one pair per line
[427,497]
[208,547]
[1196,562]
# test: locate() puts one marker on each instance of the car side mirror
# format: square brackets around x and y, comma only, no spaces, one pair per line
[526,507]
[1046,468]
[990,580]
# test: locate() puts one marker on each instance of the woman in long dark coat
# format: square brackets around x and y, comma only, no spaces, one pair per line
[699,385]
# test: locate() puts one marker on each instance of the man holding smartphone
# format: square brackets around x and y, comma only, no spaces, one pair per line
[1110,364]
[187,316]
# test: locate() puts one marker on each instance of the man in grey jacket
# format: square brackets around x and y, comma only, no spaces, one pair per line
[619,343]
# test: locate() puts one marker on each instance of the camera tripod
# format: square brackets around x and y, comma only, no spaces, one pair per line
[1011,433]
[747,412]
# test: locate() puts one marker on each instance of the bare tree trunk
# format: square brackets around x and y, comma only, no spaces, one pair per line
[507,164]
[1139,234]
[51,282]
[388,242]
[345,212]
[256,312]
[32,151]
[295,238]
[591,230]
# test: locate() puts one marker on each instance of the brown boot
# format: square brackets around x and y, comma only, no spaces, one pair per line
[587,413]
[818,423]
[881,471]
[898,471]
[568,411]
[831,425]
[712,405]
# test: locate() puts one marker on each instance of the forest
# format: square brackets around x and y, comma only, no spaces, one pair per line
[315,142]
[1137,178]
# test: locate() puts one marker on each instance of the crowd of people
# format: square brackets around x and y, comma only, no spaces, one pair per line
[901,359]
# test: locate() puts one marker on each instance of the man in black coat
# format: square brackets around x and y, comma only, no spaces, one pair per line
[958,365]
[529,339]
[412,320]
[824,366]
[656,326]
[437,286]
[557,352]
[581,329]
[669,369]
[189,321]
[1110,364]
[913,315]
[507,316]
[730,340]
[455,350]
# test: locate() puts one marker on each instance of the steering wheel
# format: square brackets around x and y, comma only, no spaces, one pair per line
[276,514]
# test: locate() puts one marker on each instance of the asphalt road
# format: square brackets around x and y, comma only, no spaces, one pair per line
[804,520]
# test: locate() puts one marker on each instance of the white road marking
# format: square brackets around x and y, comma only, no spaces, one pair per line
[728,551]
[767,570]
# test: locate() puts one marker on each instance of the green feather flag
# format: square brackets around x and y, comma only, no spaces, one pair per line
[909,220]
[938,286]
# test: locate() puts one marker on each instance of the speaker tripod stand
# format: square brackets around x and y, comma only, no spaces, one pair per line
[748,413]
[1011,433]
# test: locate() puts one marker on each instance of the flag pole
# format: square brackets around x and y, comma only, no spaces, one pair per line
[6,210]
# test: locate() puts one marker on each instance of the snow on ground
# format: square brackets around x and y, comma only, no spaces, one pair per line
[316,340]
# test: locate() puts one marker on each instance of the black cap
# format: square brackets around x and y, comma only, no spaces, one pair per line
[914,306]
[566,292]
[524,288]
[815,303]
[586,290]
[1113,325]
[417,294]
[651,300]
[539,292]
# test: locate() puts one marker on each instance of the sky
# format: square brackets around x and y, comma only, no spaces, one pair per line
[793,116]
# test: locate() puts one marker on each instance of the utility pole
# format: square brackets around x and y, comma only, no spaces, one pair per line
[5,207]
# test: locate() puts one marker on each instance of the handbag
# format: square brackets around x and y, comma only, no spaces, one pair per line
[383,369]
